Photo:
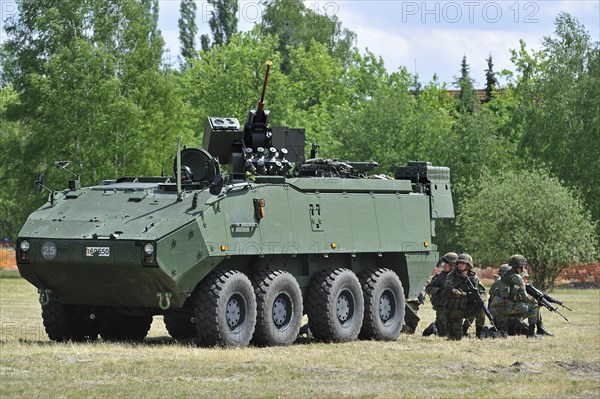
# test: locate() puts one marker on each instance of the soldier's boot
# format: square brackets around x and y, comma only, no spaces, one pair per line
[503,334]
[430,330]
[484,332]
[305,329]
[465,328]
[479,332]
[542,331]
[531,332]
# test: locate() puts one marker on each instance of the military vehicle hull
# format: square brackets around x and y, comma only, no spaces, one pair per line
[87,251]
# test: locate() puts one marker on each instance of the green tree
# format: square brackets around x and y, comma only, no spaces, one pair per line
[468,101]
[559,93]
[392,126]
[187,29]
[296,25]
[18,196]
[223,22]
[91,88]
[226,81]
[491,82]
[531,213]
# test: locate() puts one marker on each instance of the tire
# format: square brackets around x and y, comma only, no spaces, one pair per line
[120,327]
[335,306]
[278,308]
[224,309]
[179,325]
[68,322]
[384,305]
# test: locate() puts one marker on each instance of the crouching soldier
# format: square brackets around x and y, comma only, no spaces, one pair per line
[435,290]
[518,304]
[499,293]
[458,304]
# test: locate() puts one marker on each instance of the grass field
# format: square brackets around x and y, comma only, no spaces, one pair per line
[566,365]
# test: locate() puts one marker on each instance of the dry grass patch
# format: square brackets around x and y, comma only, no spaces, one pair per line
[566,365]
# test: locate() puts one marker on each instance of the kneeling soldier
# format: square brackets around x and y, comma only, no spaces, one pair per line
[459,305]
[519,304]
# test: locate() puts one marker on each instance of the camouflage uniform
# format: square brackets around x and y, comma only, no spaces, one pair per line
[458,305]
[435,290]
[515,302]
[499,293]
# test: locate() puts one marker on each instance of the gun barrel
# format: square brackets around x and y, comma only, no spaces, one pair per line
[556,301]
[563,316]
[261,103]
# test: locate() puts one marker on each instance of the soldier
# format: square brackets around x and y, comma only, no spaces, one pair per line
[459,305]
[435,289]
[518,303]
[499,293]
[541,330]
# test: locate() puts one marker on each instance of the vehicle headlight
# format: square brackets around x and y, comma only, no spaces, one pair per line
[24,245]
[149,248]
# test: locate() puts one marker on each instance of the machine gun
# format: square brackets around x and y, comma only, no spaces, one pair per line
[544,300]
[474,295]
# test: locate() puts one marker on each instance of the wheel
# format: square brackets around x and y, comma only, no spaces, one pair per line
[179,325]
[121,327]
[224,309]
[384,305]
[278,308]
[68,322]
[334,305]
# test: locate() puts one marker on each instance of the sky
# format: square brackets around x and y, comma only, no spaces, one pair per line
[426,37]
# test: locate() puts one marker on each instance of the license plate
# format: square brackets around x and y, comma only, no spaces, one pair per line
[97,251]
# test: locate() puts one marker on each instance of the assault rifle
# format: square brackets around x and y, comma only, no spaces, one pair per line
[476,297]
[547,297]
[544,300]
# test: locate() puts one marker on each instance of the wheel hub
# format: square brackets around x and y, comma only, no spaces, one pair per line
[386,306]
[235,311]
[344,307]
[281,309]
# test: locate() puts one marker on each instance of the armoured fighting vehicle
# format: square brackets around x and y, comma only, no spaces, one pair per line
[240,255]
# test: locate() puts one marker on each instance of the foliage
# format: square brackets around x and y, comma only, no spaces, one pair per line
[468,100]
[559,92]
[226,81]
[187,28]
[223,22]
[91,89]
[531,213]
[16,201]
[296,25]
[491,82]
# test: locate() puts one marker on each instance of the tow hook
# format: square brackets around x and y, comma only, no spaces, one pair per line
[166,303]
[44,296]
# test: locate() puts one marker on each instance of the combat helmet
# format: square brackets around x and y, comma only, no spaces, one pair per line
[517,261]
[465,258]
[449,258]
[504,268]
